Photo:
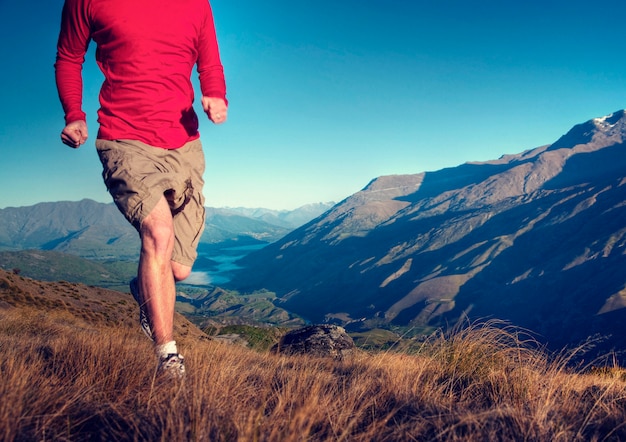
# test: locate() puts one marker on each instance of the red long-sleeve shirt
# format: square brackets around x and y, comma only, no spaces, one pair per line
[146,50]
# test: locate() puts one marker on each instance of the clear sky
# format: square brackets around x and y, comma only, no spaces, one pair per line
[327,95]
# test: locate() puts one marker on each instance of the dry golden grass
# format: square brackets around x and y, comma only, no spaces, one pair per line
[62,380]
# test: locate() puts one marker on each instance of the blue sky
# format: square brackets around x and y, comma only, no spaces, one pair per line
[327,95]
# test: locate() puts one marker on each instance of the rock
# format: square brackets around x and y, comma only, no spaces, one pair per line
[316,340]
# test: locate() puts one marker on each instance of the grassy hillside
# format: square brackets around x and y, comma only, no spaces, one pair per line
[75,366]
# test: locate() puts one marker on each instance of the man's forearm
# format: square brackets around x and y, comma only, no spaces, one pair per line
[210,69]
[70,87]
[73,41]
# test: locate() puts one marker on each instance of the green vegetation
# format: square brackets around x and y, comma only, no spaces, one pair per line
[231,307]
[56,266]
[377,339]
[258,338]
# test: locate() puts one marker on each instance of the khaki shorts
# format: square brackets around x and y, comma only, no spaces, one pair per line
[137,175]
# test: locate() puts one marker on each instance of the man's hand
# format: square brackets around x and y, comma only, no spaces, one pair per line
[215,108]
[75,134]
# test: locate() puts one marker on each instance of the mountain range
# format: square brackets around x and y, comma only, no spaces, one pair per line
[536,239]
[98,231]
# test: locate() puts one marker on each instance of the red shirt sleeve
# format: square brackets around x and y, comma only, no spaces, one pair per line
[210,69]
[71,48]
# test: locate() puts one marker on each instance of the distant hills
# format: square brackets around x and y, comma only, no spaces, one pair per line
[537,238]
[98,231]
[85,228]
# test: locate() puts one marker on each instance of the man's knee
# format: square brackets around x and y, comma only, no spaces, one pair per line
[157,229]
[157,240]
[180,271]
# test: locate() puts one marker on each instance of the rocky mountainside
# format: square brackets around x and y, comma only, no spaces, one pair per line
[95,230]
[536,238]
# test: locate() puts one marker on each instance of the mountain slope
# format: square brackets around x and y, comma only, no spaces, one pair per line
[536,238]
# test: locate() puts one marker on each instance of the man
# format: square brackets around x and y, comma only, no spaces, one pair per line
[148,140]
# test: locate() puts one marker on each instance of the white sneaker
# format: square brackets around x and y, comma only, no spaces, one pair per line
[173,365]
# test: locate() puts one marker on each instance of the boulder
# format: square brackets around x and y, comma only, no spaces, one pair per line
[316,340]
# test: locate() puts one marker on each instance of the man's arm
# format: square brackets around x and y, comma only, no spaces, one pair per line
[211,72]
[71,48]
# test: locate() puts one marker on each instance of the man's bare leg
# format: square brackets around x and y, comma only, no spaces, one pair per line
[157,273]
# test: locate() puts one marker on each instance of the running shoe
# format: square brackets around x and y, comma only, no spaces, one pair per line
[173,365]
[144,320]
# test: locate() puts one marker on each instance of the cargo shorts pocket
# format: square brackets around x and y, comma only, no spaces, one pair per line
[128,191]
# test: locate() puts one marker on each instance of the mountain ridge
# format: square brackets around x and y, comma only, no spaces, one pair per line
[512,237]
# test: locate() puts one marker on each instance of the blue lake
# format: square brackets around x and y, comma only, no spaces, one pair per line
[223,264]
